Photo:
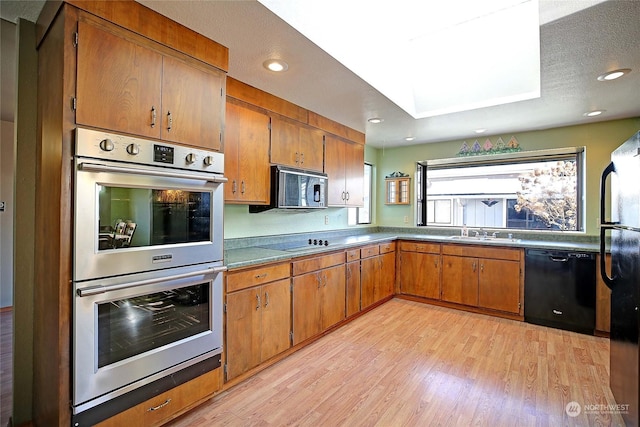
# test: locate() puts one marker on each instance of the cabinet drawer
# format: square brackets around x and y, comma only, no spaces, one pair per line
[353,254]
[428,248]
[481,251]
[169,404]
[317,263]
[387,247]
[258,276]
[369,251]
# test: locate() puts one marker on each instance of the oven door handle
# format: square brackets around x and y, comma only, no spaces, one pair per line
[101,289]
[95,167]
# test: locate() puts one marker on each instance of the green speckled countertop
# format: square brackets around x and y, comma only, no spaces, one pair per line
[259,250]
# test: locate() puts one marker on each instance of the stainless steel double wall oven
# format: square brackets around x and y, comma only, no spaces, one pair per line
[148,263]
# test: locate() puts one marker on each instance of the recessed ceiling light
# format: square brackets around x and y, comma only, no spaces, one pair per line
[593,113]
[275,65]
[615,74]
[409,138]
[480,130]
[376,120]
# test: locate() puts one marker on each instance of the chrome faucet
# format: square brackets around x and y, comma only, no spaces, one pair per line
[495,234]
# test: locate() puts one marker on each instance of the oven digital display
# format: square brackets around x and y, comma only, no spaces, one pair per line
[162,154]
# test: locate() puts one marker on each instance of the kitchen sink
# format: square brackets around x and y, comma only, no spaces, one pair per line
[485,239]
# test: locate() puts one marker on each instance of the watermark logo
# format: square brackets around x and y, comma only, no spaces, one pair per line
[573,409]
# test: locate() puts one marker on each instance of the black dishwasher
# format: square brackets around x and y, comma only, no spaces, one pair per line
[560,289]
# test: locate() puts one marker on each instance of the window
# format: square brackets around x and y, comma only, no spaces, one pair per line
[539,190]
[363,215]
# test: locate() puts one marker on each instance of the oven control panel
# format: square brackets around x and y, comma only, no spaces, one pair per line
[122,148]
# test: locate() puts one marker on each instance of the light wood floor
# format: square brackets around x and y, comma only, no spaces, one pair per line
[410,364]
[6,366]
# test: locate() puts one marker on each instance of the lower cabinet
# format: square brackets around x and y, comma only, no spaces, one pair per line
[168,405]
[319,289]
[353,282]
[483,277]
[420,269]
[378,272]
[603,300]
[258,324]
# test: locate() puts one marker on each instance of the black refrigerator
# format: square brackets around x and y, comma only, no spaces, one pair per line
[623,228]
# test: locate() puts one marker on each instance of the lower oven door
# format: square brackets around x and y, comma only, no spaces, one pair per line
[133,330]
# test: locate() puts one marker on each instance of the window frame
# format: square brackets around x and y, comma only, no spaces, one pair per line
[579,153]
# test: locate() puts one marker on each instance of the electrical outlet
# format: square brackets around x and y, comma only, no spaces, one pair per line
[326,219]
[406,219]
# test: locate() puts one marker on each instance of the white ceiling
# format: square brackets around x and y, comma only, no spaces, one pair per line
[577,43]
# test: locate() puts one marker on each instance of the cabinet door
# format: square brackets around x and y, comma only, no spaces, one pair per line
[420,274]
[499,285]
[334,167]
[192,104]
[603,299]
[311,145]
[246,160]
[284,143]
[369,277]
[333,295]
[460,280]
[306,307]
[276,318]
[354,174]
[243,331]
[387,276]
[118,83]
[353,287]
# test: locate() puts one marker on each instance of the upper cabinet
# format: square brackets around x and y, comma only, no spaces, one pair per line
[127,84]
[344,164]
[397,191]
[246,160]
[296,145]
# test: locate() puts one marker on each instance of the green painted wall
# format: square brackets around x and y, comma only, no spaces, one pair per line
[598,138]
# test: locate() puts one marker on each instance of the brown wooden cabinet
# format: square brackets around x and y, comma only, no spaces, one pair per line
[397,191]
[246,160]
[319,288]
[344,165]
[258,317]
[603,300]
[420,269]
[353,282]
[296,145]
[484,277]
[378,272]
[168,405]
[129,84]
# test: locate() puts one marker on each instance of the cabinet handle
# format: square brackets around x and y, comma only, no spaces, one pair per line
[242,186]
[482,267]
[344,195]
[266,299]
[297,158]
[474,267]
[325,280]
[170,121]
[301,158]
[160,406]
[347,195]
[153,116]
[257,301]
[261,276]
[234,187]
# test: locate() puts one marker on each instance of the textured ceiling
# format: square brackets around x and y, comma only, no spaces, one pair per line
[575,49]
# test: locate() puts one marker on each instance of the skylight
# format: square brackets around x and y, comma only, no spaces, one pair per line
[429,57]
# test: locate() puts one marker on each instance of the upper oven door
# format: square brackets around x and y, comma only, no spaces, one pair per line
[132,219]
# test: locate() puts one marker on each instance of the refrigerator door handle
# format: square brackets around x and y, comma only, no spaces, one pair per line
[611,168]
[609,281]
[605,225]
